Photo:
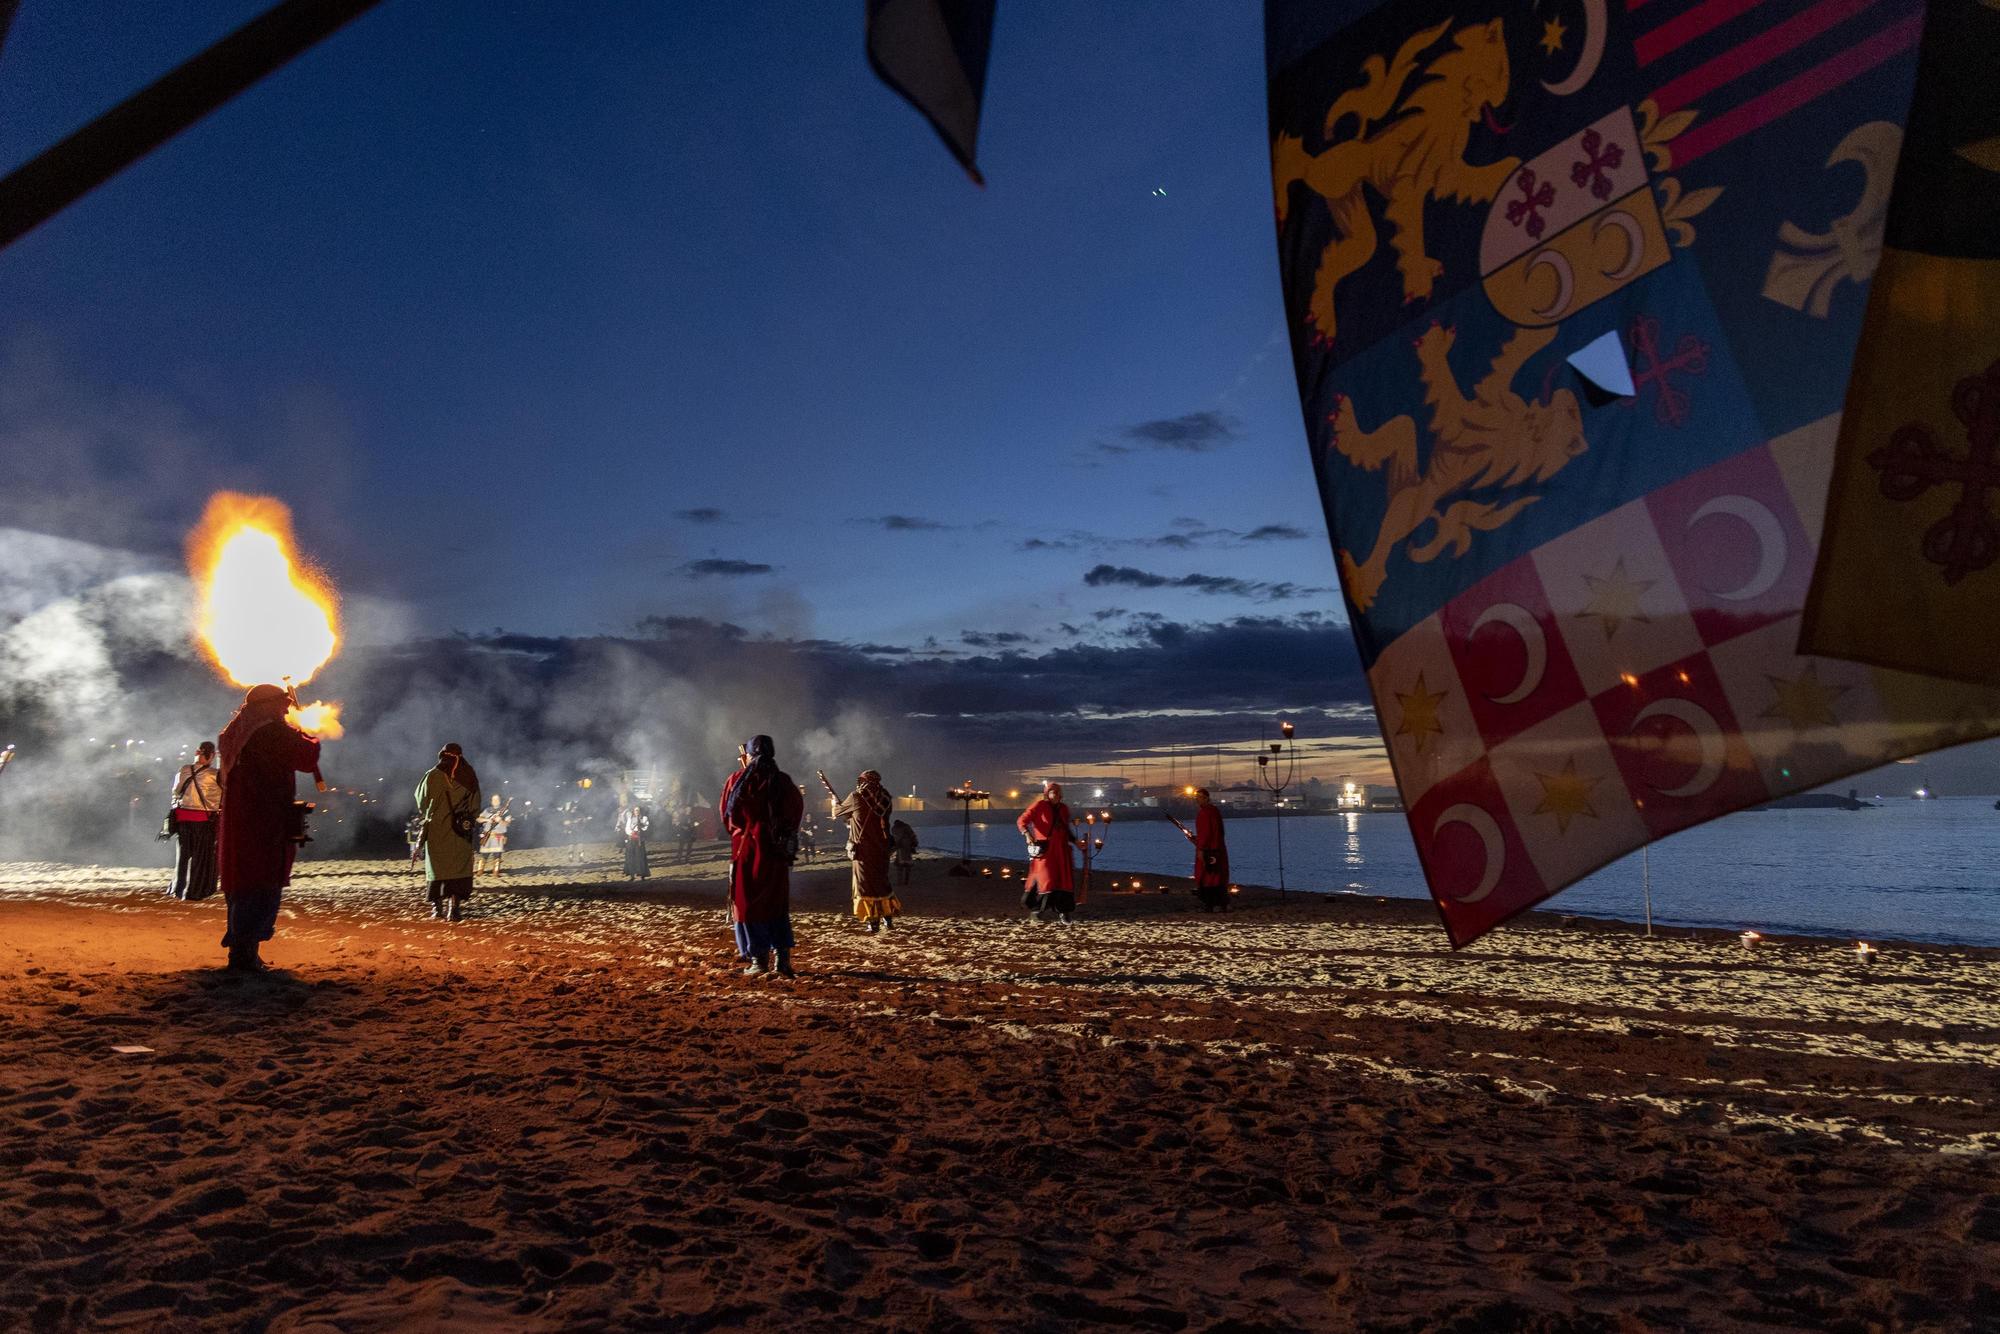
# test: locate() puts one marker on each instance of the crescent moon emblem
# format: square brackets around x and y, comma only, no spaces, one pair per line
[1635,242]
[1593,51]
[1706,733]
[1516,618]
[1565,283]
[1770,543]
[1488,829]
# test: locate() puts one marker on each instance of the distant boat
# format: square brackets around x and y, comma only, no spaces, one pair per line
[1819,801]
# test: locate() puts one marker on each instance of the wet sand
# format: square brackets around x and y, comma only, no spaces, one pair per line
[572,1111]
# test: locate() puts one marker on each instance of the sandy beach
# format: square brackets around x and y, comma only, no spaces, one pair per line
[572,1111]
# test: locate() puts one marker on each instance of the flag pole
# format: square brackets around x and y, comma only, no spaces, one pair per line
[1646,883]
[64,172]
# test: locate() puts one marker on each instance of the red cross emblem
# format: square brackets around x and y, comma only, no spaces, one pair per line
[1527,210]
[1655,370]
[1966,539]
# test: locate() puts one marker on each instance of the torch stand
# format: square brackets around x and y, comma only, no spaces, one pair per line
[1268,777]
[967,793]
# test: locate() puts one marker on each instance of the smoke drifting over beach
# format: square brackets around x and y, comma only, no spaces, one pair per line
[95,653]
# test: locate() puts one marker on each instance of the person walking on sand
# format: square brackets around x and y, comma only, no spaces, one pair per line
[261,756]
[632,825]
[761,808]
[448,801]
[1211,855]
[1051,880]
[866,810]
[197,807]
[904,840]
[686,830]
[493,826]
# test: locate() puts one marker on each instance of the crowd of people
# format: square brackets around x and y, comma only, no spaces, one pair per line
[239,824]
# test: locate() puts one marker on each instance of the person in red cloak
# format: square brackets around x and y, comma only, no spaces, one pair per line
[1051,882]
[761,808]
[261,756]
[1211,855]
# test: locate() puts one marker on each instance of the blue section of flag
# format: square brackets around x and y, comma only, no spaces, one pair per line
[1633,445]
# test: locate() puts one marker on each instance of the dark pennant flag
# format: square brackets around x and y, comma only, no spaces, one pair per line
[933,52]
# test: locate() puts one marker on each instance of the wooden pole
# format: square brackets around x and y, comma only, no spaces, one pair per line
[57,177]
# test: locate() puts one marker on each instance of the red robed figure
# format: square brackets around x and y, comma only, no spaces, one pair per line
[760,882]
[1208,839]
[257,790]
[1047,822]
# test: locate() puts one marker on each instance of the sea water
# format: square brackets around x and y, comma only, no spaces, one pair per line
[1904,870]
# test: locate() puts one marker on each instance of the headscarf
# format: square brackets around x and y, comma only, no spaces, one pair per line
[1052,791]
[261,705]
[873,796]
[763,753]
[457,768]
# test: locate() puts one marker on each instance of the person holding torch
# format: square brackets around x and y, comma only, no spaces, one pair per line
[1211,854]
[1051,879]
[262,755]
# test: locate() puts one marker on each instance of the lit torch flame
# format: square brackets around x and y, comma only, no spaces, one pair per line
[318,718]
[264,617]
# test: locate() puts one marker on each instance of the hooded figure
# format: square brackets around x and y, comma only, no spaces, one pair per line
[867,809]
[448,802]
[261,755]
[1211,856]
[1051,879]
[761,810]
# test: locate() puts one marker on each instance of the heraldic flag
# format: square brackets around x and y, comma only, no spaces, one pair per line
[1578,595]
[1909,569]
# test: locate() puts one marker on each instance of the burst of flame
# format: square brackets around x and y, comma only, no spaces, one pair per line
[317,718]
[263,616]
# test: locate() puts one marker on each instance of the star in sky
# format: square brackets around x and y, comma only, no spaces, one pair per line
[1806,701]
[1615,598]
[1552,36]
[1420,720]
[1566,795]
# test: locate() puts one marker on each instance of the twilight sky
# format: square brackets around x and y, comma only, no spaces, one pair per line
[585,314]
[671,322]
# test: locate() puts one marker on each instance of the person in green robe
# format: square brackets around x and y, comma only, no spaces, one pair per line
[448,803]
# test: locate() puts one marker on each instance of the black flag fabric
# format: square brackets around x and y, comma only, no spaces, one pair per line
[933,52]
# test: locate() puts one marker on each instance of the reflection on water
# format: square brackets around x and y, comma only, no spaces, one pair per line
[1910,870]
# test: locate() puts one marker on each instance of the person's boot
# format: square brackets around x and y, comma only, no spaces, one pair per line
[437,912]
[784,962]
[868,928]
[888,924]
[756,968]
[457,911]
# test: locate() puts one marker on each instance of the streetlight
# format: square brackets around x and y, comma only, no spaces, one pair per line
[1270,779]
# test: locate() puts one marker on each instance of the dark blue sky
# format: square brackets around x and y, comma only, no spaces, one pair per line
[507,307]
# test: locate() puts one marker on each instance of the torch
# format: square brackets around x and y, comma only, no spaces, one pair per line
[1274,782]
[1095,827]
[968,794]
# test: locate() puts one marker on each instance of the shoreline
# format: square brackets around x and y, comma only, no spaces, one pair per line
[546,874]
